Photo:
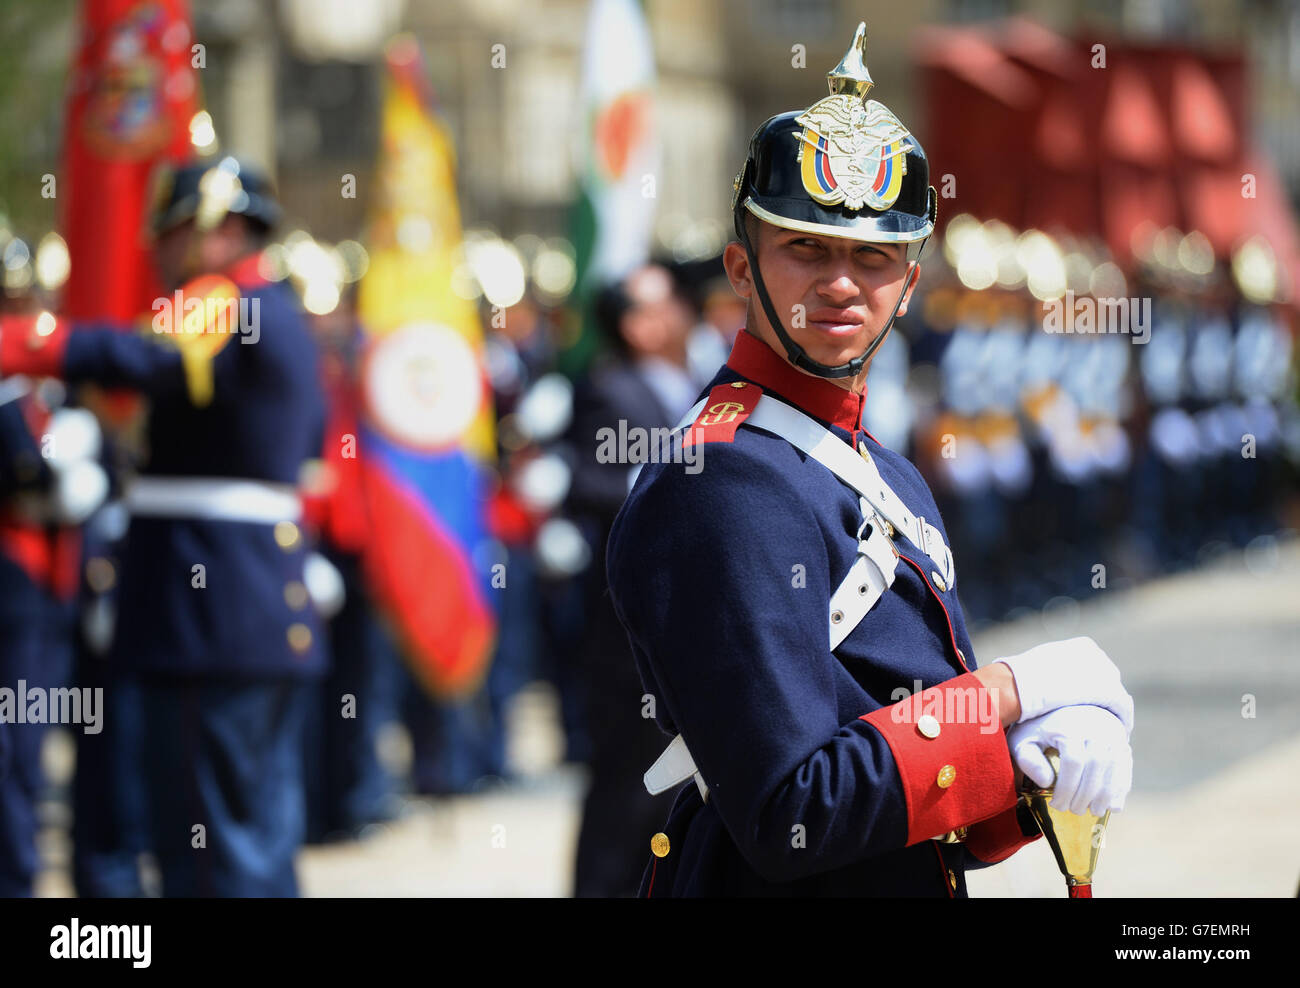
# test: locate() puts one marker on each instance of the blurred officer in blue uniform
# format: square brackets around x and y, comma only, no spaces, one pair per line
[214,615]
[110,828]
[21,468]
[641,385]
[49,484]
[37,575]
[788,586]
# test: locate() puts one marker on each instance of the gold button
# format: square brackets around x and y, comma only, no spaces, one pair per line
[938,581]
[889,531]
[946,775]
[100,574]
[299,636]
[928,725]
[734,384]
[295,595]
[952,879]
[659,845]
[286,534]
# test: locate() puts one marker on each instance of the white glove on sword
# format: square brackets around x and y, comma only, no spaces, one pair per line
[1068,673]
[1096,760]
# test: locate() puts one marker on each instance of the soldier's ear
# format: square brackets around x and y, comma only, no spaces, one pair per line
[913,276]
[736,263]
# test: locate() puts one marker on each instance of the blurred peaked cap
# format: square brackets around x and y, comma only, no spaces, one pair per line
[231,183]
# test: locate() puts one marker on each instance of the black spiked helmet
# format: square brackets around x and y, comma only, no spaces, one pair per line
[844,167]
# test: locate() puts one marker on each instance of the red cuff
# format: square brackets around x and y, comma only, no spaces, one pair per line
[33,345]
[951,754]
[997,839]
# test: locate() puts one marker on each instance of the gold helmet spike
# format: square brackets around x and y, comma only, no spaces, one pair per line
[851,76]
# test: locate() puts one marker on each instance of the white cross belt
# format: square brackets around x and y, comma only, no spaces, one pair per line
[858,470]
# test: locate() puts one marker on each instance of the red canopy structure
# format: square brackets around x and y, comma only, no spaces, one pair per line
[1038,132]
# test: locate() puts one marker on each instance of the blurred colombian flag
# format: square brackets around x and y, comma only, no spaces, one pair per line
[426,436]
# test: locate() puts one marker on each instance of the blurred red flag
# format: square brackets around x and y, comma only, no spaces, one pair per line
[133,93]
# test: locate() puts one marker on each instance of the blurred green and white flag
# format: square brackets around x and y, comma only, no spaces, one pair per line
[617,161]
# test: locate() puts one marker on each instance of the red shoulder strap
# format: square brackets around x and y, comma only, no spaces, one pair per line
[727,406]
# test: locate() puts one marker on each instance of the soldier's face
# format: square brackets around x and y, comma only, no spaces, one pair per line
[659,321]
[834,295]
[225,244]
[184,252]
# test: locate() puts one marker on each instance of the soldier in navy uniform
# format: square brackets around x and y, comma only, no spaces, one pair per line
[49,484]
[784,599]
[36,574]
[21,468]
[214,615]
[109,817]
[644,383]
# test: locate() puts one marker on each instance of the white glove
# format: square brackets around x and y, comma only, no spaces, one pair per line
[324,585]
[1068,673]
[1096,760]
[78,491]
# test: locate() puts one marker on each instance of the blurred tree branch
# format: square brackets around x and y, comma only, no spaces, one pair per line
[37,39]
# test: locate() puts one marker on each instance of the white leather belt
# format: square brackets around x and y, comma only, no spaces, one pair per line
[675,765]
[213,499]
[871,574]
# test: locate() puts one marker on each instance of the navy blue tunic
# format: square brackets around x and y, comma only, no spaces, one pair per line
[722,573]
[265,419]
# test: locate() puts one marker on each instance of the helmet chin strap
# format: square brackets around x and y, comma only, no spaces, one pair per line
[796,354]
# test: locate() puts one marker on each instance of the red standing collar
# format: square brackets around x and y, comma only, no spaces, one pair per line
[754,359]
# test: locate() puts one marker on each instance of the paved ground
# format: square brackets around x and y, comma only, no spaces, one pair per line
[1213,811]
